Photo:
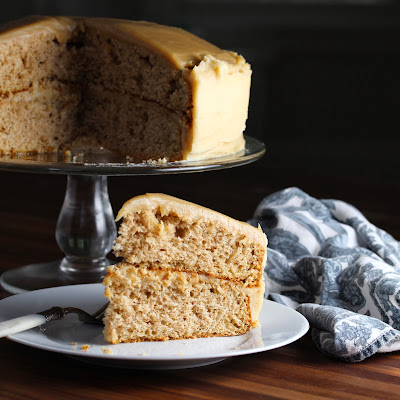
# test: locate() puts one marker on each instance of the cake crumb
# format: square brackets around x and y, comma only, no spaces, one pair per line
[78,157]
[143,353]
[85,348]
[159,161]
[180,353]
[107,350]
[74,343]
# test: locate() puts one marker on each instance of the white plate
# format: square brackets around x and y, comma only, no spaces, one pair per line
[280,326]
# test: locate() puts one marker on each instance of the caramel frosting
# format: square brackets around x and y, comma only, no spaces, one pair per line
[181,48]
[34,24]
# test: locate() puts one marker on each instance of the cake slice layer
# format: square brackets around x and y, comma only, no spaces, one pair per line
[148,304]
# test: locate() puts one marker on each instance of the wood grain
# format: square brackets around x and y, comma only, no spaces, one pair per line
[28,216]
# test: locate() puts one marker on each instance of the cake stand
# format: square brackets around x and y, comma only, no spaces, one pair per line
[86,229]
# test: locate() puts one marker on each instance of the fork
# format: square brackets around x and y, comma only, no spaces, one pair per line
[26,322]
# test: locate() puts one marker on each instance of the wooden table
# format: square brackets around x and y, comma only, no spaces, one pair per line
[29,208]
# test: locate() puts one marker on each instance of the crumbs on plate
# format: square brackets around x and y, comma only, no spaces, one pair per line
[85,347]
[107,350]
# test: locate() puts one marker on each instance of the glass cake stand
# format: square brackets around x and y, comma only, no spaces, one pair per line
[86,229]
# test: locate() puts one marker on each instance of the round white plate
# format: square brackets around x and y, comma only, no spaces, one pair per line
[280,326]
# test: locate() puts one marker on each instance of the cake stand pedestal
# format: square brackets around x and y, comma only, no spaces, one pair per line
[85,229]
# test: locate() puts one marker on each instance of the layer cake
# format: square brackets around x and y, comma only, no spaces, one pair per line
[136,88]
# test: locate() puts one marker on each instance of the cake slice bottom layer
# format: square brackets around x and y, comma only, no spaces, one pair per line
[159,304]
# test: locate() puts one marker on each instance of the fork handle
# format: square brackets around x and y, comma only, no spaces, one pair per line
[20,324]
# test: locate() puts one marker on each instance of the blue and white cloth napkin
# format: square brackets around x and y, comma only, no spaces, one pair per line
[341,272]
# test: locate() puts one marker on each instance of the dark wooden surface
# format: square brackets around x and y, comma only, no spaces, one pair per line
[29,206]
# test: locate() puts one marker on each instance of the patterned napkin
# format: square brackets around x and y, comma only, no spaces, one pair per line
[326,260]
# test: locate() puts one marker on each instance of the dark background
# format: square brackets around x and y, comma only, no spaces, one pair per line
[324,100]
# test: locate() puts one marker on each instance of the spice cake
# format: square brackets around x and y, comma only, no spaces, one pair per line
[186,272]
[137,88]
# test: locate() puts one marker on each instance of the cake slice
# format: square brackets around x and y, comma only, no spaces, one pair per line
[187,272]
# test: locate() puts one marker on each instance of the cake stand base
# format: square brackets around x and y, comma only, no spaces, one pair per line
[46,275]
